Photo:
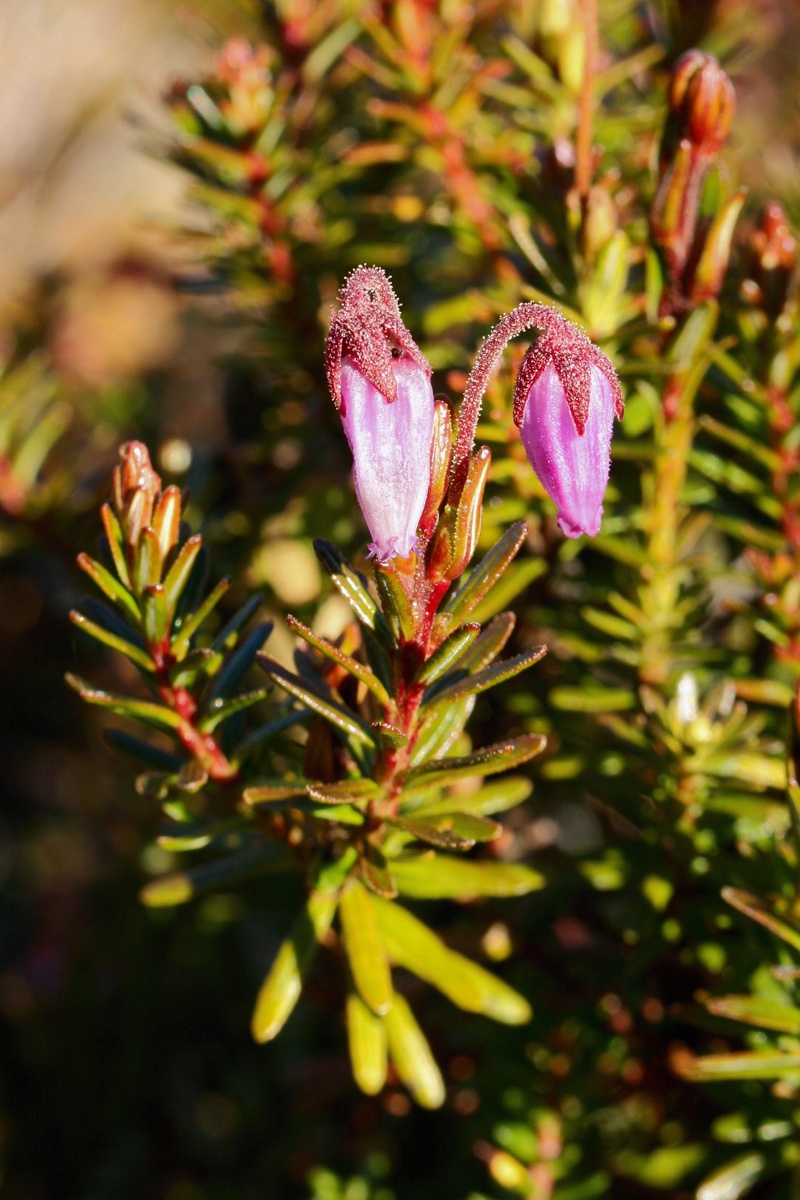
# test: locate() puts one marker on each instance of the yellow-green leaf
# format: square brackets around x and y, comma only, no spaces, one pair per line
[364,946]
[412,1056]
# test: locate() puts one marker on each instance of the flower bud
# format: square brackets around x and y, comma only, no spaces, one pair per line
[773,255]
[136,488]
[565,398]
[380,382]
[441,457]
[702,98]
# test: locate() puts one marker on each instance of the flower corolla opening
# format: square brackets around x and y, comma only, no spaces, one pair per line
[391,445]
[380,382]
[566,396]
[573,468]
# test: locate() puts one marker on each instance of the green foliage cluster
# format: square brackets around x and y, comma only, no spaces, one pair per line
[329,787]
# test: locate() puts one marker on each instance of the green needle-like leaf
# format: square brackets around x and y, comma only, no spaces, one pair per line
[757,1010]
[193,621]
[352,585]
[488,761]
[110,586]
[490,643]
[448,654]
[472,590]
[269,793]
[752,907]
[142,710]
[488,677]
[115,543]
[351,665]
[156,614]
[221,710]
[177,576]
[113,641]
[320,701]
[486,800]
[347,791]
[147,562]
[449,830]
[746,1064]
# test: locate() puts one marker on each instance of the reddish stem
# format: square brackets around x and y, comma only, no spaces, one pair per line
[583,148]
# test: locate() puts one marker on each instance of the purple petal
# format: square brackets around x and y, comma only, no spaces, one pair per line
[391,445]
[573,469]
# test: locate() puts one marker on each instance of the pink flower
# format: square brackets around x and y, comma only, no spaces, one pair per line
[380,382]
[565,398]
[573,468]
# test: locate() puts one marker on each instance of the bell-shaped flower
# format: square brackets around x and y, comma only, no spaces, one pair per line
[380,382]
[566,395]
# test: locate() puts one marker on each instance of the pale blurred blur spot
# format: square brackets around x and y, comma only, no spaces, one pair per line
[76,190]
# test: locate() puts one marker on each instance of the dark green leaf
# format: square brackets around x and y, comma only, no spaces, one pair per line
[177,576]
[353,586]
[349,664]
[234,869]
[228,636]
[488,677]
[113,641]
[449,830]
[347,791]
[110,586]
[449,651]
[191,623]
[488,571]
[142,710]
[143,752]
[320,701]
[221,709]
[376,873]
[239,660]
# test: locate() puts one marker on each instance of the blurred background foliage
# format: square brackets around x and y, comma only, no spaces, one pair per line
[183,189]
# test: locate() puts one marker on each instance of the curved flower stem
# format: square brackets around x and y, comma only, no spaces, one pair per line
[524,316]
